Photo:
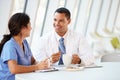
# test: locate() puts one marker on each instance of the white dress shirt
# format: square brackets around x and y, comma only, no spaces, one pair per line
[74,43]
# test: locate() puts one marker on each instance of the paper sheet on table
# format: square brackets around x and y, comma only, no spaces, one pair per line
[47,70]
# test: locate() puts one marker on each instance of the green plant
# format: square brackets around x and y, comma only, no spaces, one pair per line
[115,43]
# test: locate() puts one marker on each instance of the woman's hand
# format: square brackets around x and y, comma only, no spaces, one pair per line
[43,64]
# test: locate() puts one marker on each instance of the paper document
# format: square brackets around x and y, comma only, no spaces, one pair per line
[47,70]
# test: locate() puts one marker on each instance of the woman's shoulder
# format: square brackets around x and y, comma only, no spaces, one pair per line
[10,42]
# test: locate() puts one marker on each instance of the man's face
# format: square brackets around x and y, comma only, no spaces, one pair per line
[60,23]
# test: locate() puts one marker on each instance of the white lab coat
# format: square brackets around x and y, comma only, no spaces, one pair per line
[74,42]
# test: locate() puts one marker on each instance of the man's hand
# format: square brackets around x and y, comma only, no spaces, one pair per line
[55,57]
[75,59]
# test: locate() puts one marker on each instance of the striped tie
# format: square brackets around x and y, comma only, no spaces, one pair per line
[62,50]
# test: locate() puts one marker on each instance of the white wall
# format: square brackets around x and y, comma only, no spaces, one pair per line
[89,17]
[4,15]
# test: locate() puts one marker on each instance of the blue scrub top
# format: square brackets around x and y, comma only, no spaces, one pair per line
[12,51]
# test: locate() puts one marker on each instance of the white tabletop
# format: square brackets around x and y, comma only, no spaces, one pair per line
[108,71]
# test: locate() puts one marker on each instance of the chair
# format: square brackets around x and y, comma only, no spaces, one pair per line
[111,57]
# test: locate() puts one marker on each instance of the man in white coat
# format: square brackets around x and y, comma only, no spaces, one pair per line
[74,43]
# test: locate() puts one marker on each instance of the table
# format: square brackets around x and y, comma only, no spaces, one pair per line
[108,71]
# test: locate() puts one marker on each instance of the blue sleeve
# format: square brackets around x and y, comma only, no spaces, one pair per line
[9,53]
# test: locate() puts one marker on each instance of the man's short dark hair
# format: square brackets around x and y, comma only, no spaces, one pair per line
[65,11]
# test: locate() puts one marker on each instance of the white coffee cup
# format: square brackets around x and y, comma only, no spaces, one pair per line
[67,60]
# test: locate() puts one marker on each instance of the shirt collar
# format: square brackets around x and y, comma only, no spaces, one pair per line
[58,37]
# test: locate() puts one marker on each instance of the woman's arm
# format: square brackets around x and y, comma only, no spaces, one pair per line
[15,68]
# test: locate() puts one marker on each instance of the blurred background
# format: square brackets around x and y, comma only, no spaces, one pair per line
[97,20]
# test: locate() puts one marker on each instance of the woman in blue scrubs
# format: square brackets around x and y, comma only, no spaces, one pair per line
[15,54]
